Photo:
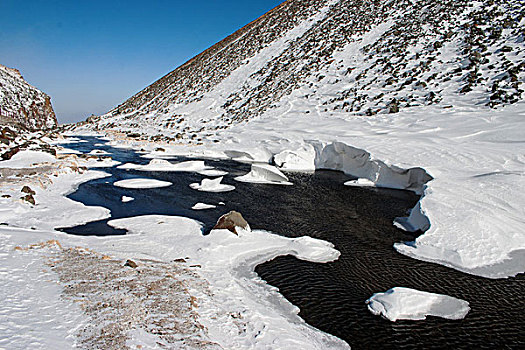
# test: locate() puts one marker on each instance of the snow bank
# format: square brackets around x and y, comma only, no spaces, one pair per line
[227,261]
[212,185]
[301,159]
[359,163]
[26,159]
[401,303]
[141,183]
[52,209]
[264,174]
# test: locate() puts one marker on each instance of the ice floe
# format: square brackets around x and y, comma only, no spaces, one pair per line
[126,199]
[141,183]
[401,303]
[165,165]
[264,174]
[98,152]
[360,183]
[212,185]
[203,206]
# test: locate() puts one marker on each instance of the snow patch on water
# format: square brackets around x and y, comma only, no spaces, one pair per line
[212,185]
[264,174]
[401,303]
[141,183]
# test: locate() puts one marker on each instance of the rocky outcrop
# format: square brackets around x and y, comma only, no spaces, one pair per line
[23,105]
[232,221]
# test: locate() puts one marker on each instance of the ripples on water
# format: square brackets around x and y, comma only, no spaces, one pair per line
[358,222]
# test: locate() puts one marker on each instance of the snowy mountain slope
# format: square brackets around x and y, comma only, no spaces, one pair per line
[430,84]
[424,52]
[22,103]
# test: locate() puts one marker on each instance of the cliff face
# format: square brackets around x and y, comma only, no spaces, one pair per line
[356,57]
[22,104]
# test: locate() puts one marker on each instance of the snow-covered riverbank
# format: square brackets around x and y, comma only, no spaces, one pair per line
[221,302]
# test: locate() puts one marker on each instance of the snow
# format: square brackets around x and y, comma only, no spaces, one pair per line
[360,183]
[35,315]
[26,159]
[471,208]
[401,303]
[264,174]
[164,165]
[203,206]
[137,183]
[126,199]
[212,185]
[213,172]
[98,152]
[228,262]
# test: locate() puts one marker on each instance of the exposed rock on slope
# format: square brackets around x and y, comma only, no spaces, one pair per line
[22,104]
[356,57]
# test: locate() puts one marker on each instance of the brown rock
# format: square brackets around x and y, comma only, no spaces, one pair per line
[131,264]
[7,155]
[28,190]
[231,221]
[29,198]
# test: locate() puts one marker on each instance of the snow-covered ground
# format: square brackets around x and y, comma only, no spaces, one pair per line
[62,291]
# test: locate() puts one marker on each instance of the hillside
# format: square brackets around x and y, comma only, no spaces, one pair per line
[22,104]
[359,58]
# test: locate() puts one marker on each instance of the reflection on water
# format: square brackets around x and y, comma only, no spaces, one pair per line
[359,222]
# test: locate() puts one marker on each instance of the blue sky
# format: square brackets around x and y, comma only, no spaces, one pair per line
[89,56]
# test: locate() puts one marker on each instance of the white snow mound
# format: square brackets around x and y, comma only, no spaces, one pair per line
[265,174]
[141,183]
[212,185]
[401,303]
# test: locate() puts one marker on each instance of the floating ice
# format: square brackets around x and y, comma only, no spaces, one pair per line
[401,303]
[126,199]
[203,206]
[213,172]
[165,165]
[141,183]
[212,185]
[98,152]
[360,183]
[265,174]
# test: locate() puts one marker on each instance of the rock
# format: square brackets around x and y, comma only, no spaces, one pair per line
[7,155]
[231,221]
[28,190]
[131,264]
[160,149]
[29,198]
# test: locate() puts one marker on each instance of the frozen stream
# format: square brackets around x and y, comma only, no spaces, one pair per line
[359,222]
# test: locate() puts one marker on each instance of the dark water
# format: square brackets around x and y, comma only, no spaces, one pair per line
[359,223]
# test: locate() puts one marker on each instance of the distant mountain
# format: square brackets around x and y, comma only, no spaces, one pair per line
[22,104]
[356,57]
